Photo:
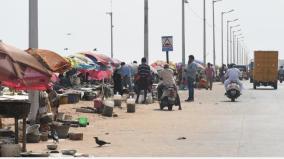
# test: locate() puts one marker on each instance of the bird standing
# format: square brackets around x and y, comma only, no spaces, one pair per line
[101,142]
[55,136]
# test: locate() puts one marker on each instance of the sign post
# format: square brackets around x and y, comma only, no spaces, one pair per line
[167,45]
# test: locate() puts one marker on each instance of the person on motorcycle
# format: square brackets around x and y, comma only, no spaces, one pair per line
[167,80]
[233,75]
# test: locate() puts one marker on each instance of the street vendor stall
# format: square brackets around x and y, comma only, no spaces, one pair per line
[21,71]
[17,109]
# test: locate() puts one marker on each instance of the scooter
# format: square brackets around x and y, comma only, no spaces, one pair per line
[170,98]
[233,91]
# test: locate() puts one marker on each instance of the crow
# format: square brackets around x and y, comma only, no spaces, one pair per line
[55,136]
[101,142]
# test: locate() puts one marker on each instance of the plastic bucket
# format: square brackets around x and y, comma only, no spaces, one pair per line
[63,99]
[62,131]
[83,121]
[108,110]
[117,102]
[130,108]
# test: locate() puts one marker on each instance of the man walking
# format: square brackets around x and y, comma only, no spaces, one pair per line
[126,76]
[144,74]
[209,72]
[191,77]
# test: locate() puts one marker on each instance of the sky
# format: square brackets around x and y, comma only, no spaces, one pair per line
[82,25]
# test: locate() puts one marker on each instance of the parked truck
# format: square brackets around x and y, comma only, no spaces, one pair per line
[265,72]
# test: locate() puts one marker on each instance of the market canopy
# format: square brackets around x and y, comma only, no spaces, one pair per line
[99,58]
[79,61]
[20,70]
[50,59]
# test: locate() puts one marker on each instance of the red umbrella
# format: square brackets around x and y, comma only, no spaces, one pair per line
[51,60]
[20,70]
[99,75]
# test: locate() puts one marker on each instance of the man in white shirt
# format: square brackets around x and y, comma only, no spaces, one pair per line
[167,79]
[233,75]
[167,76]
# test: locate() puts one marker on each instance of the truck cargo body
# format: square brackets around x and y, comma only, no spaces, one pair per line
[265,70]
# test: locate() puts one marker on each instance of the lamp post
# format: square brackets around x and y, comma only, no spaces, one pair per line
[204,32]
[214,42]
[33,43]
[33,23]
[234,45]
[111,33]
[222,34]
[231,42]
[239,55]
[146,31]
[228,49]
[183,32]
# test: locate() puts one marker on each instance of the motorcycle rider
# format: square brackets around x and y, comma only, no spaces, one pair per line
[233,75]
[167,80]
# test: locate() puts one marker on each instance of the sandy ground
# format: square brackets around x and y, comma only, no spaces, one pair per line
[213,126]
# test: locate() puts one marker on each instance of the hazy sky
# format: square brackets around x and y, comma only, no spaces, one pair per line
[261,23]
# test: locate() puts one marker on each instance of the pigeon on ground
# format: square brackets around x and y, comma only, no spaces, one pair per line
[101,142]
[55,136]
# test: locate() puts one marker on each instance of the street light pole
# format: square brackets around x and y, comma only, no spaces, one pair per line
[222,34]
[228,34]
[238,48]
[183,31]
[234,45]
[214,42]
[111,32]
[204,32]
[33,23]
[33,43]
[231,40]
[146,31]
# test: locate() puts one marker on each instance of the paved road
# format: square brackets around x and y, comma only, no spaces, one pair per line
[213,126]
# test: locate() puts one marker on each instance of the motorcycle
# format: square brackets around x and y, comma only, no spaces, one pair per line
[233,91]
[170,98]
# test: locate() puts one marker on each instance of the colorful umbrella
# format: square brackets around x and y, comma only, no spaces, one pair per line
[81,62]
[20,70]
[159,64]
[98,58]
[50,59]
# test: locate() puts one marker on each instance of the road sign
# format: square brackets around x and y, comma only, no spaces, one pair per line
[167,43]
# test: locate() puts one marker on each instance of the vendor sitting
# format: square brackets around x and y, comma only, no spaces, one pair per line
[53,101]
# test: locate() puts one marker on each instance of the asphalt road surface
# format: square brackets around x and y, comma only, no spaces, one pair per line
[212,126]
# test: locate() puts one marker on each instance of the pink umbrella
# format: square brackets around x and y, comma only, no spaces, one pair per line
[20,70]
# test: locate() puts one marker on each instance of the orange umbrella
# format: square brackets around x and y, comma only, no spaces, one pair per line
[50,59]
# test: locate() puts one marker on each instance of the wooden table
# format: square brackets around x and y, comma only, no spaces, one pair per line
[17,109]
